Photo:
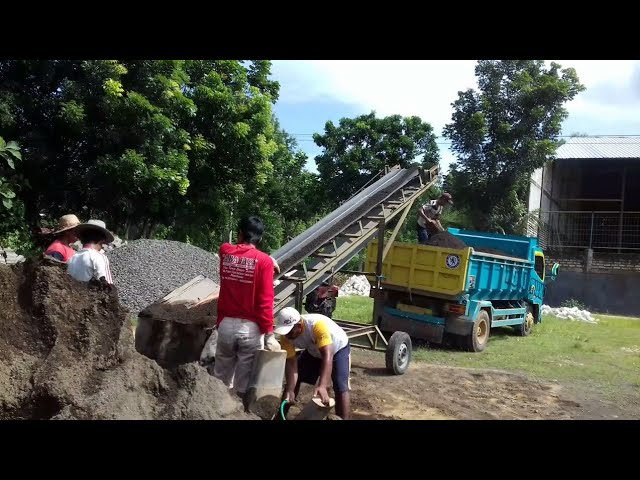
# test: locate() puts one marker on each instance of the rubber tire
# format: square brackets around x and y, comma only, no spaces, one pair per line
[396,342]
[470,342]
[521,329]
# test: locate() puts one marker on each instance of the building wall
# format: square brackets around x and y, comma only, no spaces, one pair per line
[600,263]
[612,293]
[535,191]
[611,285]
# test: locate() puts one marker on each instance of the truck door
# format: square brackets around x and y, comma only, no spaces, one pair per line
[536,289]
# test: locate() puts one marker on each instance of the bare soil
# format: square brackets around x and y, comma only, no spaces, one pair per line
[430,392]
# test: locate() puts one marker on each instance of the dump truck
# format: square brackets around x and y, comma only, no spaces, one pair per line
[436,293]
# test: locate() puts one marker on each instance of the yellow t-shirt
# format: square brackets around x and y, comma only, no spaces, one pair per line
[317,331]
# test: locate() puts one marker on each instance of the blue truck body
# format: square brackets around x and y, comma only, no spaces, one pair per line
[498,281]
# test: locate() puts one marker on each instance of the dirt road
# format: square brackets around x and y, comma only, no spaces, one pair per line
[437,392]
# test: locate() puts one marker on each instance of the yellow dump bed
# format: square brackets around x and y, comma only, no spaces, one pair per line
[419,267]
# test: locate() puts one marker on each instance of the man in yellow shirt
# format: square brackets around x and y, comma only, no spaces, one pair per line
[326,355]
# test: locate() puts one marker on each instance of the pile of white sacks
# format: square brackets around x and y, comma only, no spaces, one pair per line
[356,285]
[570,313]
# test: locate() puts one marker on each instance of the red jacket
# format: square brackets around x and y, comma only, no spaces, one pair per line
[64,250]
[246,285]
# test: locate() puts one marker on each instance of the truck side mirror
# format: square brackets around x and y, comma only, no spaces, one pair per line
[555,269]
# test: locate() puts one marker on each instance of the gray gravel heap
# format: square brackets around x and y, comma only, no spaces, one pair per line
[146,270]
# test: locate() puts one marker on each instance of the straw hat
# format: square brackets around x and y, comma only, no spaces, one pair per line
[66,222]
[96,225]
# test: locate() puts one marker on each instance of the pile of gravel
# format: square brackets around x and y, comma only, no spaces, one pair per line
[146,270]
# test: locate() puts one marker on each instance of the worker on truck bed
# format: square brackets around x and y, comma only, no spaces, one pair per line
[245,306]
[65,235]
[326,356]
[429,217]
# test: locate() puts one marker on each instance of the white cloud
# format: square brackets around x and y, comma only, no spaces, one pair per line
[423,88]
[612,92]
[427,88]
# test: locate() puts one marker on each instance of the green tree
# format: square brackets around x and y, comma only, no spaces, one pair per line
[101,137]
[358,148]
[9,155]
[175,148]
[501,133]
[13,231]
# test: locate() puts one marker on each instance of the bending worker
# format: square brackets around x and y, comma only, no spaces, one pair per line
[429,217]
[326,356]
[90,264]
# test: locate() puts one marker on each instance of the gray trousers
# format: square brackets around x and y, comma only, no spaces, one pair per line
[238,342]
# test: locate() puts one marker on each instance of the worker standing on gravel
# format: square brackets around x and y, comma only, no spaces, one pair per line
[65,235]
[429,217]
[326,356]
[245,306]
[90,264]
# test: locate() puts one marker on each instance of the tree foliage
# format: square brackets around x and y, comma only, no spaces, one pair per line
[176,148]
[502,132]
[13,231]
[358,148]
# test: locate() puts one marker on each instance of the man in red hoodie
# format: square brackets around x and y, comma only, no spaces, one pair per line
[245,306]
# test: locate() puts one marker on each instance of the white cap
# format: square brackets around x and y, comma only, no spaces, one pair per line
[285,320]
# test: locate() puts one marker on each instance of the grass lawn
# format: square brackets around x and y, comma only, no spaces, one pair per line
[607,353]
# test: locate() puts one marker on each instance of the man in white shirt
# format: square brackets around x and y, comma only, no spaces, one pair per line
[326,356]
[90,263]
[429,217]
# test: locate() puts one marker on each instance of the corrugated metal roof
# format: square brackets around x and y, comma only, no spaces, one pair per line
[600,147]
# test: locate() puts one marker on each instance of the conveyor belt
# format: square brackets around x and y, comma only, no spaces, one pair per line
[323,249]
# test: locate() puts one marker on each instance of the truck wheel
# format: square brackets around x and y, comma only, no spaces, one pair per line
[524,329]
[398,353]
[476,341]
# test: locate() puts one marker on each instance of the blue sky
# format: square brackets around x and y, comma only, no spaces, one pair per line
[315,91]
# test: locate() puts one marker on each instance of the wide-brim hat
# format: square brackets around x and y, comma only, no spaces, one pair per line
[66,222]
[96,225]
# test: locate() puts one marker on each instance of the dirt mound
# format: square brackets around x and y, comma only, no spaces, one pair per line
[66,352]
[446,240]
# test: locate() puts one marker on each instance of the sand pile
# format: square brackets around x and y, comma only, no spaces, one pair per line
[66,352]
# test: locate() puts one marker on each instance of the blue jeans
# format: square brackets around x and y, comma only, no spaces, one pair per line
[309,369]
[423,234]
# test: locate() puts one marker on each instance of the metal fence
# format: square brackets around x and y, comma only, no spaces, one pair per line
[596,230]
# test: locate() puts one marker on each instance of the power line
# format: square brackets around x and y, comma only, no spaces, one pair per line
[559,136]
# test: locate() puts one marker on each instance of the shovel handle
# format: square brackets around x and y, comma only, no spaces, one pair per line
[282,405]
